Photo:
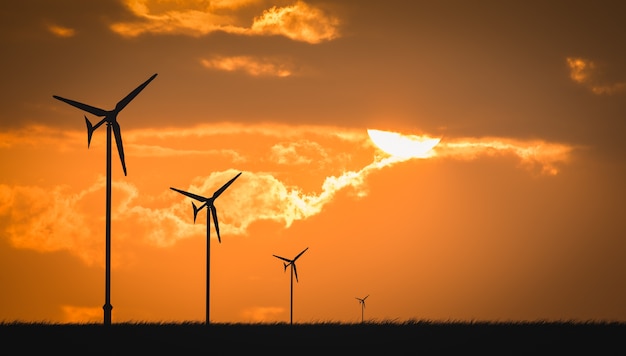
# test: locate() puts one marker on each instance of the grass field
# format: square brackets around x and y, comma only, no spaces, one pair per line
[389,338]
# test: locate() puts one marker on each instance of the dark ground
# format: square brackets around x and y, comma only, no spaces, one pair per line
[411,338]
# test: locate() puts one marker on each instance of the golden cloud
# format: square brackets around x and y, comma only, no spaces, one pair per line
[536,153]
[249,65]
[588,73]
[49,221]
[66,218]
[299,152]
[299,22]
[61,31]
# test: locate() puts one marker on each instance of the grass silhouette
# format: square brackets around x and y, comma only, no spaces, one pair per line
[387,336]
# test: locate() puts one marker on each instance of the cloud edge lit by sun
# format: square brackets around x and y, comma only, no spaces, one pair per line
[403,146]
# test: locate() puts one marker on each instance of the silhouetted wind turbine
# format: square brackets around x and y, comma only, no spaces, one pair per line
[211,210]
[294,271]
[110,117]
[362,302]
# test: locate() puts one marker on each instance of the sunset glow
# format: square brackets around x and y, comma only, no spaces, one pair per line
[401,146]
[446,162]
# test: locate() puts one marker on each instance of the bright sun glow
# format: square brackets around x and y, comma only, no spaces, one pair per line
[403,146]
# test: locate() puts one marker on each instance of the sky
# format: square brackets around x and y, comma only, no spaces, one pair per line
[451,160]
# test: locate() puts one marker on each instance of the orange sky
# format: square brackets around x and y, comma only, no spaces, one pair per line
[515,214]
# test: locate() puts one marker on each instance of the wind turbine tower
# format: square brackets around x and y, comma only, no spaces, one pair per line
[362,302]
[291,263]
[110,118]
[211,210]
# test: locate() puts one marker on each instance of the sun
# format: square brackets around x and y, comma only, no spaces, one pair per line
[403,146]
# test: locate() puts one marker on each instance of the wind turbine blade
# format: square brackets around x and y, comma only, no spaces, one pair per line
[89,130]
[195,211]
[300,254]
[99,123]
[208,227]
[88,108]
[191,195]
[217,226]
[282,258]
[295,271]
[122,103]
[223,188]
[118,140]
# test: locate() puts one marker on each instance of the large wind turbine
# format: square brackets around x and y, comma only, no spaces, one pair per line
[211,210]
[110,118]
[362,302]
[291,263]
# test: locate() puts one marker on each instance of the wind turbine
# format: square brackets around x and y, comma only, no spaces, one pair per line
[211,210]
[291,263]
[362,302]
[110,118]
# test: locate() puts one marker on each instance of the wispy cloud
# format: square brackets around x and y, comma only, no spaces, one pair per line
[40,135]
[141,150]
[298,21]
[591,75]
[61,31]
[299,152]
[255,67]
[532,154]
[282,131]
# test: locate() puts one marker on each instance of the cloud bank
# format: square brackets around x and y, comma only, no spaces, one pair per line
[59,218]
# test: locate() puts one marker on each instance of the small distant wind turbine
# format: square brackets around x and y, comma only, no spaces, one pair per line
[362,302]
[211,210]
[291,263]
[110,118]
